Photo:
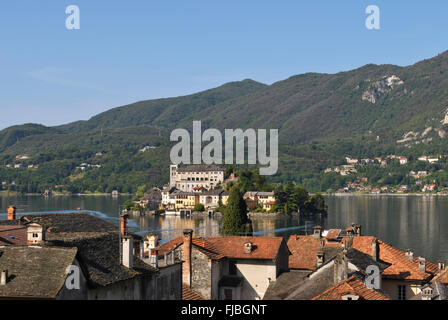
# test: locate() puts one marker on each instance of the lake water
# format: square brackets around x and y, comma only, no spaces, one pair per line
[416,222]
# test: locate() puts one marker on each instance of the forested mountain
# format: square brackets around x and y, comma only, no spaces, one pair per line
[322,118]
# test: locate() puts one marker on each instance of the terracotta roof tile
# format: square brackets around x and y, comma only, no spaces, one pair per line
[303,252]
[400,266]
[350,286]
[230,247]
[190,294]
[13,235]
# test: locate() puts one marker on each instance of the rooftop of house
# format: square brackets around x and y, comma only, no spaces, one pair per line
[13,235]
[100,256]
[305,284]
[351,286]
[97,242]
[401,267]
[155,194]
[265,248]
[304,250]
[200,168]
[190,294]
[64,222]
[35,272]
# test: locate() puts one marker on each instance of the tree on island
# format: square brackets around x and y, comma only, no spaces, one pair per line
[235,221]
[316,204]
[291,198]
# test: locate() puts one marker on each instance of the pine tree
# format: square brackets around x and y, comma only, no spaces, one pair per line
[235,221]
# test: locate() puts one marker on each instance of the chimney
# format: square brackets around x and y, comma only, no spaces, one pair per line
[320,258]
[124,224]
[4,277]
[248,247]
[375,250]
[127,254]
[155,258]
[340,268]
[317,232]
[441,266]
[357,229]
[186,257]
[12,213]
[35,234]
[422,264]
[151,242]
[409,254]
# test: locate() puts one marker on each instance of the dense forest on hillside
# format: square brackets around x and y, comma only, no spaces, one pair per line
[373,111]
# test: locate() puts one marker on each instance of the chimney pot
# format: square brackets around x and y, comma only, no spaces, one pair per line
[186,257]
[320,258]
[127,251]
[375,250]
[422,264]
[155,258]
[248,247]
[35,234]
[410,254]
[317,232]
[4,277]
[124,224]
[12,213]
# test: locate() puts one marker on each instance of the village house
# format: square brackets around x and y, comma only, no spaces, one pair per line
[429,187]
[174,199]
[22,156]
[403,160]
[351,161]
[151,199]
[259,198]
[228,268]
[322,263]
[188,177]
[109,259]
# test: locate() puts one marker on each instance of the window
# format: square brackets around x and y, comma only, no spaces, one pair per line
[232,268]
[401,292]
[35,235]
[228,294]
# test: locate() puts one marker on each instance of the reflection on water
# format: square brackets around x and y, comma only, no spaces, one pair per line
[417,222]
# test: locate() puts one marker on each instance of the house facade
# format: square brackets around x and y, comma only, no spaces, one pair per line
[189,177]
[229,268]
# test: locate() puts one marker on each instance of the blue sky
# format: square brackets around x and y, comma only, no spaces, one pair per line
[128,51]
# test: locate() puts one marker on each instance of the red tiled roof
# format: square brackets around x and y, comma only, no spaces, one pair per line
[442,277]
[303,252]
[190,294]
[231,247]
[352,286]
[401,267]
[333,234]
[13,235]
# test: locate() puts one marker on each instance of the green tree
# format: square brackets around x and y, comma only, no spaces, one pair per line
[199,207]
[235,220]
[316,204]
